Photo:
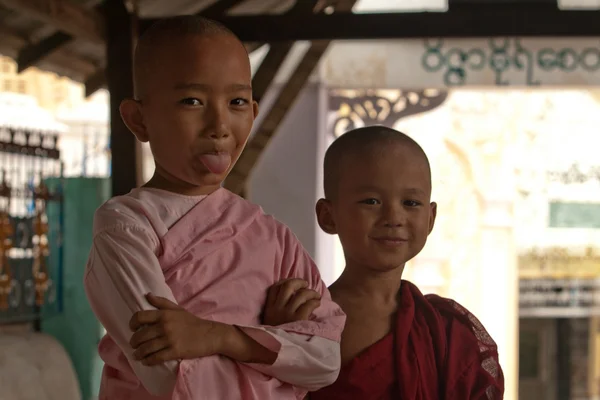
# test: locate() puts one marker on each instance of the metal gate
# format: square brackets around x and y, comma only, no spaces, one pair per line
[30,247]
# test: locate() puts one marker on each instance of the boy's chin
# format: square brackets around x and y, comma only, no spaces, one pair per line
[388,267]
[383,266]
[210,179]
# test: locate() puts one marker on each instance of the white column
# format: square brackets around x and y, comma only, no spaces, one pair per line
[329,254]
[284,180]
[499,287]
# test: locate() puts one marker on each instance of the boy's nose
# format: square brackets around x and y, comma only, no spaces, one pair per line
[219,133]
[218,124]
[394,216]
[393,224]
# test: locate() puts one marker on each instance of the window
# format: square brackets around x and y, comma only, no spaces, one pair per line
[529,354]
[21,86]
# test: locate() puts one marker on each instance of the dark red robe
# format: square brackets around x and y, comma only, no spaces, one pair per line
[437,351]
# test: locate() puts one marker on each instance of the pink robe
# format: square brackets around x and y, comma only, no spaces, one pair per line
[216,256]
[437,351]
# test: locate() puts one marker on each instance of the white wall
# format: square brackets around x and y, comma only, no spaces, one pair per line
[284,182]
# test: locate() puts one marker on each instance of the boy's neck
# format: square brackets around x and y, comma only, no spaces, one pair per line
[373,286]
[159,182]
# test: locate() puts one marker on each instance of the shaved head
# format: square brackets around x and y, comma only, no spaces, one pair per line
[354,146]
[163,33]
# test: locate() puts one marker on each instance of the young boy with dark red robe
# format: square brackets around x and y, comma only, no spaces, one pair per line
[397,342]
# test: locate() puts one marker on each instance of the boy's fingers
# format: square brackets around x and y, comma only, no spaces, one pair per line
[272,294]
[304,311]
[151,347]
[288,289]
[162,356]
[145,334]
[162,303]
[146,317]
[302,296]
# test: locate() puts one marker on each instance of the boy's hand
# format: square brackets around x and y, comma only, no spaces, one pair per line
[289,301]
[172,333]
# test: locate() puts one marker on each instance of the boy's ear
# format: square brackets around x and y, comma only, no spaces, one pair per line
[131,113]
[255,108]
[325,216]
[432,215]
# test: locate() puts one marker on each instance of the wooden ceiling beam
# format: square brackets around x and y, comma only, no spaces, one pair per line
[76,67]
[34,53]
[454,4]
[508,19]
[219,8]
[278,52]
[64,15]
[71,62]
[239,175]
[268,68]
[10,42]
[95,82]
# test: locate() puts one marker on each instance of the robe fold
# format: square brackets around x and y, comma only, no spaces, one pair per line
[437,351]
[215,256]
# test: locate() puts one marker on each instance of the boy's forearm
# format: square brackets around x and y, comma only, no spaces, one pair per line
[240,347]
[305,361]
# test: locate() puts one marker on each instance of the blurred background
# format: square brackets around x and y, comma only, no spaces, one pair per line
[502,95]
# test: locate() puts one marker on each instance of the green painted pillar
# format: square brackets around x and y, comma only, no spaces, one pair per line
[76,327]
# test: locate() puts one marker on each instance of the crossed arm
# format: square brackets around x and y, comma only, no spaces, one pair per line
[123,269]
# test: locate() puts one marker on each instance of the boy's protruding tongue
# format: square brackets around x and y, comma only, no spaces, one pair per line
[216,163]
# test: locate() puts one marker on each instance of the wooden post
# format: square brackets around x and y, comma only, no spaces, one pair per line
[563,359]
[119,75]
[593,360]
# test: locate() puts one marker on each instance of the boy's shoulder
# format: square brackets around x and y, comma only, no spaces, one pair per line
[469,346]
[125,210]
[270,222]
[454,314]
[471,353]
[449,308]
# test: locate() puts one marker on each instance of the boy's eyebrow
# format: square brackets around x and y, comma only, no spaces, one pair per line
[367,188]
[203,87]
[372,188]
[415,190]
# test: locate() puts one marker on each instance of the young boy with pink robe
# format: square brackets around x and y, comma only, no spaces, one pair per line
[180,268]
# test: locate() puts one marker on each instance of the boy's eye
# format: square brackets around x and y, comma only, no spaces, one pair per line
[191,101]
[371,202]
[239,102]
[412,203]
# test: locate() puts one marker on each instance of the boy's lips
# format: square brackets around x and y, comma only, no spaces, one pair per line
[390,240]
